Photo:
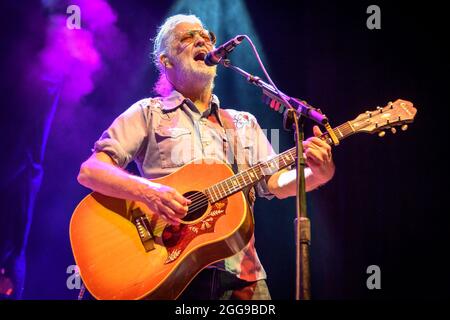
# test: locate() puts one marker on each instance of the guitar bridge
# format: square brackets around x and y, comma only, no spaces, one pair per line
[142,224]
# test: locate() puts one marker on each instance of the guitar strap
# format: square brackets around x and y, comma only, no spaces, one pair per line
[235,147]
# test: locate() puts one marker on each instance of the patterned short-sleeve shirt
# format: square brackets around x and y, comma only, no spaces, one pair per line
[162,134]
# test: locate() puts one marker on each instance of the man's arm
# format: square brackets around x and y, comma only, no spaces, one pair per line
[100,173]
[320,169]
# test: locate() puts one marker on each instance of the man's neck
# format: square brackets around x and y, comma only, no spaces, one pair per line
[200,97]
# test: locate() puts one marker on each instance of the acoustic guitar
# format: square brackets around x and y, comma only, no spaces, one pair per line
[125,251]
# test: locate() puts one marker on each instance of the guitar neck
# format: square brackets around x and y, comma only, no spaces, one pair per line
[341,132]
[254,174]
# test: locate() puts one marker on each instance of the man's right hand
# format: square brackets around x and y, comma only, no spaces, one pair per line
[165,201]
[100,173]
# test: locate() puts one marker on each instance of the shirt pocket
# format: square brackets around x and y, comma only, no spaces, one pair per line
[174,146]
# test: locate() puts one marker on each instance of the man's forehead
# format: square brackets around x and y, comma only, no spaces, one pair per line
[185,26]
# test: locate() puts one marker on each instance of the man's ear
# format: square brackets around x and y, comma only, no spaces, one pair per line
[165,61]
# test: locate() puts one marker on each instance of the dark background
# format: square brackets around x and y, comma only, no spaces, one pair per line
[386,203]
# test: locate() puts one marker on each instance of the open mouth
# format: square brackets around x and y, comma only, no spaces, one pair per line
[200,56]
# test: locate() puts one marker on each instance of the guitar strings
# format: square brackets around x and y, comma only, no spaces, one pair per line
[225,187]
[198,202]
[197,196]
[201,202]
[197,205]
[226,182]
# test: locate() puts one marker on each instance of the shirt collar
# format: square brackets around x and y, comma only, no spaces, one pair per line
[176,99]
[172,101]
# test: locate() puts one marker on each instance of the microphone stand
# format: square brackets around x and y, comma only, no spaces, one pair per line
[301,223]
[294,117]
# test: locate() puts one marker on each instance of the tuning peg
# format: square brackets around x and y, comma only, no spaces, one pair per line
[381,134]
[393,130]
[404,127]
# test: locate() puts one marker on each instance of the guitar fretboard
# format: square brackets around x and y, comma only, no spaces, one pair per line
[252,175]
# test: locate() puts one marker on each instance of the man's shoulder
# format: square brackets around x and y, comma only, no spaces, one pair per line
[145,109]
[233,112]
[145,106]
[241,118]
[151,103]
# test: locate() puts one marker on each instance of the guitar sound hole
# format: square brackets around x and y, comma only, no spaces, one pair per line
[198,206]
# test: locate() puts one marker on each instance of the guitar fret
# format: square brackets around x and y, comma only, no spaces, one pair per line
[245,177]
[233,182]
[239,177]
[248,175]
[213,199]
[256,173]
[223,188]
[238,180]
[214,188]
[216,192]
[241,180]
[347,127]
[229,185]
[208,195]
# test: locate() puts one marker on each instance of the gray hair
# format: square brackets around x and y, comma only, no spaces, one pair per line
[161,41]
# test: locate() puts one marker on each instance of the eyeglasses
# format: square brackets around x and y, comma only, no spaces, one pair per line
[188,37]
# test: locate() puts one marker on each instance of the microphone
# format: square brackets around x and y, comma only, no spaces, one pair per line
[214,57]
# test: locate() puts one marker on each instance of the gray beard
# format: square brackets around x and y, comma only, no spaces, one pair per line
[201,77]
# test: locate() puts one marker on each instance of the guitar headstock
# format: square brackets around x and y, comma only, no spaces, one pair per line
[395,114]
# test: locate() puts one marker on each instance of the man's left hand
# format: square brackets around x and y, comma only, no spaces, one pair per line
[318,157]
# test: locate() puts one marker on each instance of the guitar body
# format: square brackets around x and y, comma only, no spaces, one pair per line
[116,263]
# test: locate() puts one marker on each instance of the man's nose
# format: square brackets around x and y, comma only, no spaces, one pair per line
[199,41]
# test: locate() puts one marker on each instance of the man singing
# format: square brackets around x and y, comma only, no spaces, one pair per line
[183,123]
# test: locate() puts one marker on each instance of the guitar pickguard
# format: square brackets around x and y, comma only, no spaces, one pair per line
[177,238]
